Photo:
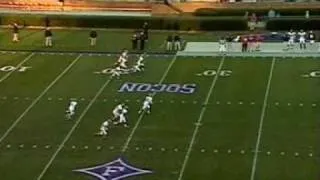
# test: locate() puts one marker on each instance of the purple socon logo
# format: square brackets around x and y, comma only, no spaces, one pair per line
[115,170]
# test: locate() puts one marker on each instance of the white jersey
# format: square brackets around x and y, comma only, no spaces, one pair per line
[302,35]
[140,60]
[116,111]
[292,35]
[149,99]
[122,117]
[105,125]
[72,106]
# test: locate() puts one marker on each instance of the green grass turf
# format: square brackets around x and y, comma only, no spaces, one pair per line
[223,147]
[76,40]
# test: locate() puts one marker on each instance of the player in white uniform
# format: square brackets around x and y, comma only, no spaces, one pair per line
[117,110]
[116,72]
[122,117]
[292,36]
[104,128]
[71,109]
[302,39]
[146,105]
[123,59]
[222,45]
[139,66]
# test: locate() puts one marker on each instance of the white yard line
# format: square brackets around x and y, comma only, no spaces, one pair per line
[35,101]
[67,137]
[126,144]
[263,112]
[198,123]
[17,66]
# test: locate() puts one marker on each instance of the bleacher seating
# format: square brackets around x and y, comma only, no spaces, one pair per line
[75,5]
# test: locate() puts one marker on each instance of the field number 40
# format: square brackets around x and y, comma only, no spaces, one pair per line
[12,68]
[211,72]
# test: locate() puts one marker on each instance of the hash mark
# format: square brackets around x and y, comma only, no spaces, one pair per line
[289,104]
[240,102]
[16,98]
[49,99]
[218,102]
[300,104]
[277,103]
[8,146]
[215,151]
[296,154]
[137,148]
[310,154]
[98,147]
[203,150]
[252,103]
[268,153]
[21,146]
[228,102]
[242,151]
[111,147]
[314,105]
[150,148]
[34,146]
[229,151]
[163,149]
[282,153]
[176,150]
[86,147]
[47,146]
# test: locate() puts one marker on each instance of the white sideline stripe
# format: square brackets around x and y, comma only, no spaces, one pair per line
[203,109]
[263,112]
[67,137]
[34,102]
[126,144]
[18,66]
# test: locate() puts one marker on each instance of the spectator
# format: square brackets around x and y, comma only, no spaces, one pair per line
[307,15]
[48,37]
[271,14]
[15,30]
[253,21]
[93,37]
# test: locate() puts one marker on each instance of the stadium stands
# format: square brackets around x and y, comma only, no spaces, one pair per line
[75,5]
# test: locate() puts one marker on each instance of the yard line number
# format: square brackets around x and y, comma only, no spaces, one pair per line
[212,72]
[13,68]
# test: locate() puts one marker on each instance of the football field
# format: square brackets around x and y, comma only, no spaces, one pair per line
[213,118]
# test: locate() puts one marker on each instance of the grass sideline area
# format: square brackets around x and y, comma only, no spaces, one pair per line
[248,117]
[77,40]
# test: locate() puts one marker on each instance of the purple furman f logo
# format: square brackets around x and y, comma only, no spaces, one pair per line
[115,170]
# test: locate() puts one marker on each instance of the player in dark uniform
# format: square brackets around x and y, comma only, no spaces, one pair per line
[48,37]
[142,39]
[177,43]
[169,43]
[311,38]
[15,30]
[134,41]
[145,28]
[93,38]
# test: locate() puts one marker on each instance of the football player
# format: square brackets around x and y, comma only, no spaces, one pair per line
[104,128]
[222,45]
[292,36]
[116,72]
[122,117]
[71,109]
[302,39]
[139,66]
[117,110]
[311,38]
[146,105]
[123,59]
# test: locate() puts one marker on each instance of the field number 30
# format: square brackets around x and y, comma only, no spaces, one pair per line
[211,72]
